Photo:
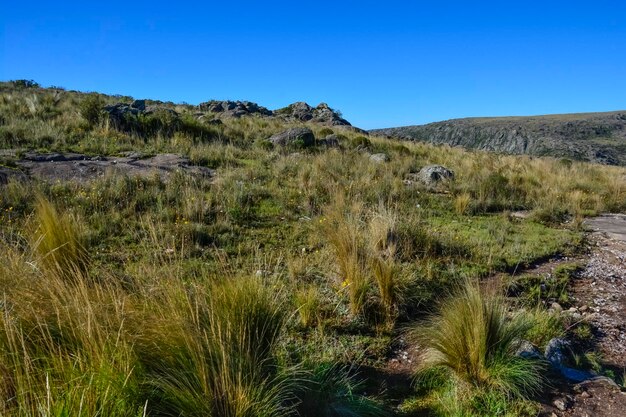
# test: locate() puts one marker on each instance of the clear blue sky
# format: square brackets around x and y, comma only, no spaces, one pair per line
[382,63]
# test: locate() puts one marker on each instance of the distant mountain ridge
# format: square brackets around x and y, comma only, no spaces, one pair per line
[594,137]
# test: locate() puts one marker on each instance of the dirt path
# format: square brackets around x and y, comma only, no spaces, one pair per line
[599,296]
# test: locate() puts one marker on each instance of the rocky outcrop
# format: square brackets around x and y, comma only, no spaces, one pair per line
[234,108]
[595,137]
[139,118]
[82,168]
[322,114]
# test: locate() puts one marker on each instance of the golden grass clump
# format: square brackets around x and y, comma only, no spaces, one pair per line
[57,241]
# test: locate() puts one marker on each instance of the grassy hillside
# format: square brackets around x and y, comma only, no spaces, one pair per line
[279,285]
[594,137]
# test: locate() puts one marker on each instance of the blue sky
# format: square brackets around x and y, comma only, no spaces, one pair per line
[382,63]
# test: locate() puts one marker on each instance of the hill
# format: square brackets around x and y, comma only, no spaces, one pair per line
[224,259]
[593,137]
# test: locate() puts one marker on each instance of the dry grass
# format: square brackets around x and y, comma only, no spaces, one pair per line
[58,242]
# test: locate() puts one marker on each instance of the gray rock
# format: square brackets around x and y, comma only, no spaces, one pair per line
[556,307]
[556,355]
[322,114]
[54,157]
[379,157]
[555,351]
[6,174]
[433,174]
[560,403]
[575,375]
[302,136]
[332,141]
[124,117]
[598,380]
[80,168]
[528,351]
[139,105]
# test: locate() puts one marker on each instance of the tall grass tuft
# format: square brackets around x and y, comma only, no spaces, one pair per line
[57,241]
[221,361]
[341,229]
[63,348]
[473,340]
[382,263]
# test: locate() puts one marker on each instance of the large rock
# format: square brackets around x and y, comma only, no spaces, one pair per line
[297,136]
[331,141]
[556,355]
[433,174]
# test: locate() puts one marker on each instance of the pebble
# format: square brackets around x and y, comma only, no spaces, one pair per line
[559,403]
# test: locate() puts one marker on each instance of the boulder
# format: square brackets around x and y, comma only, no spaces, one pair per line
[297,136]
[556,355]
[555,351]
[331,141]
[433,174]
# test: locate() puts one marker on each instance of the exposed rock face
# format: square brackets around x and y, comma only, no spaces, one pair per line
[432,174]
[297,136]
[81,168]
[322,114]
[296,112]
[596,137]
[6,174]
[126,117]
[234,108]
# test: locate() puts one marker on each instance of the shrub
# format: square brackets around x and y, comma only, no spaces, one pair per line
[360,142]
[325,131]
[91,109]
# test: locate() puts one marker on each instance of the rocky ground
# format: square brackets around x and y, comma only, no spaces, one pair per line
[598,297]
[77,167]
